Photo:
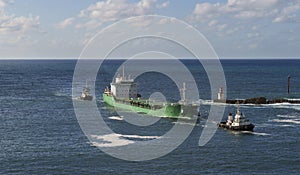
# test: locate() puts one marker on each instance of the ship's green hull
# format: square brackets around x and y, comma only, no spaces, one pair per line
[169,110]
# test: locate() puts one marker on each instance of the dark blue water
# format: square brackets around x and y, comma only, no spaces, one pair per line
[40,134]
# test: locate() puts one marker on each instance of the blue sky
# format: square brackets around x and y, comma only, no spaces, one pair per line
[235,28]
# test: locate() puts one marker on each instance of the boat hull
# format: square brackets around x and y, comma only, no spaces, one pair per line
[237,128]
[88,98]
[170,110]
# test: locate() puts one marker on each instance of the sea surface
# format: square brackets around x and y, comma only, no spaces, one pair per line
[40,134]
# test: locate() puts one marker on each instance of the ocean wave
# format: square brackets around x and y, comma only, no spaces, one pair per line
[210,102]
[116,140]
[17,98]
[119,118]
[250,133]
[284,106]
[263,125]
[75,98]
[185,123]
[286,121]
[201,101]
[139,137]
[287,116]
[256,133]
[286,125]
[62,94]
[293,99]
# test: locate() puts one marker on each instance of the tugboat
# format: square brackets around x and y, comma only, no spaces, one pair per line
[86,94]
[239,123]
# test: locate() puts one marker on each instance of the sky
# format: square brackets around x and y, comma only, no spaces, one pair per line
[235,28]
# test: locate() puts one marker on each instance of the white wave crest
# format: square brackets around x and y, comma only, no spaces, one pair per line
[61,94]
[286,125]
[256,133]
[140,137]
[287,116]
[184,123]
[286,121]
[293,99]
[261,134]
[120,118]
[285,106]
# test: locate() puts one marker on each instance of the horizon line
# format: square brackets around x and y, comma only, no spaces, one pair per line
[183,58]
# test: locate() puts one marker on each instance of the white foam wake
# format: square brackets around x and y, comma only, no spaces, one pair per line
[115,140]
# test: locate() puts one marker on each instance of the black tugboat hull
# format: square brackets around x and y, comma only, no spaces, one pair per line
[237,128]
[88,98]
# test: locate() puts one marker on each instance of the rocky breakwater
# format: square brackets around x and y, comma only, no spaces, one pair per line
[259,100]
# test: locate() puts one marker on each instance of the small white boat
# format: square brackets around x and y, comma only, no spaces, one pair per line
[86,93]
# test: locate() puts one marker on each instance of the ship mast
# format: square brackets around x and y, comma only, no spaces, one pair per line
[238,109]
[183,90]
[123,76]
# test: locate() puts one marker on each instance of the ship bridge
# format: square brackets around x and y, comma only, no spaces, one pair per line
[124,87]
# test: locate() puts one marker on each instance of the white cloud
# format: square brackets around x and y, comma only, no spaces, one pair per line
[253,35]
[276,10]
[21,24]
[251,14]
[222,27]
[249,24]
[237,5]
[109,11]
[213,23]
[65,23]
[207,10]
[252,46]
[146,4]
[2,4]
[16,32]
[288,14]
[10,23]
[163,5]
[255,27]
[234,30]
[236,13]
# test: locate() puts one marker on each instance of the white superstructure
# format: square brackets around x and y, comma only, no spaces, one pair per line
[86,93]
[239,119]
[124,87]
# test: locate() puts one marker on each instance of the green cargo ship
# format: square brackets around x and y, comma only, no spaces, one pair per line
[123,94]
